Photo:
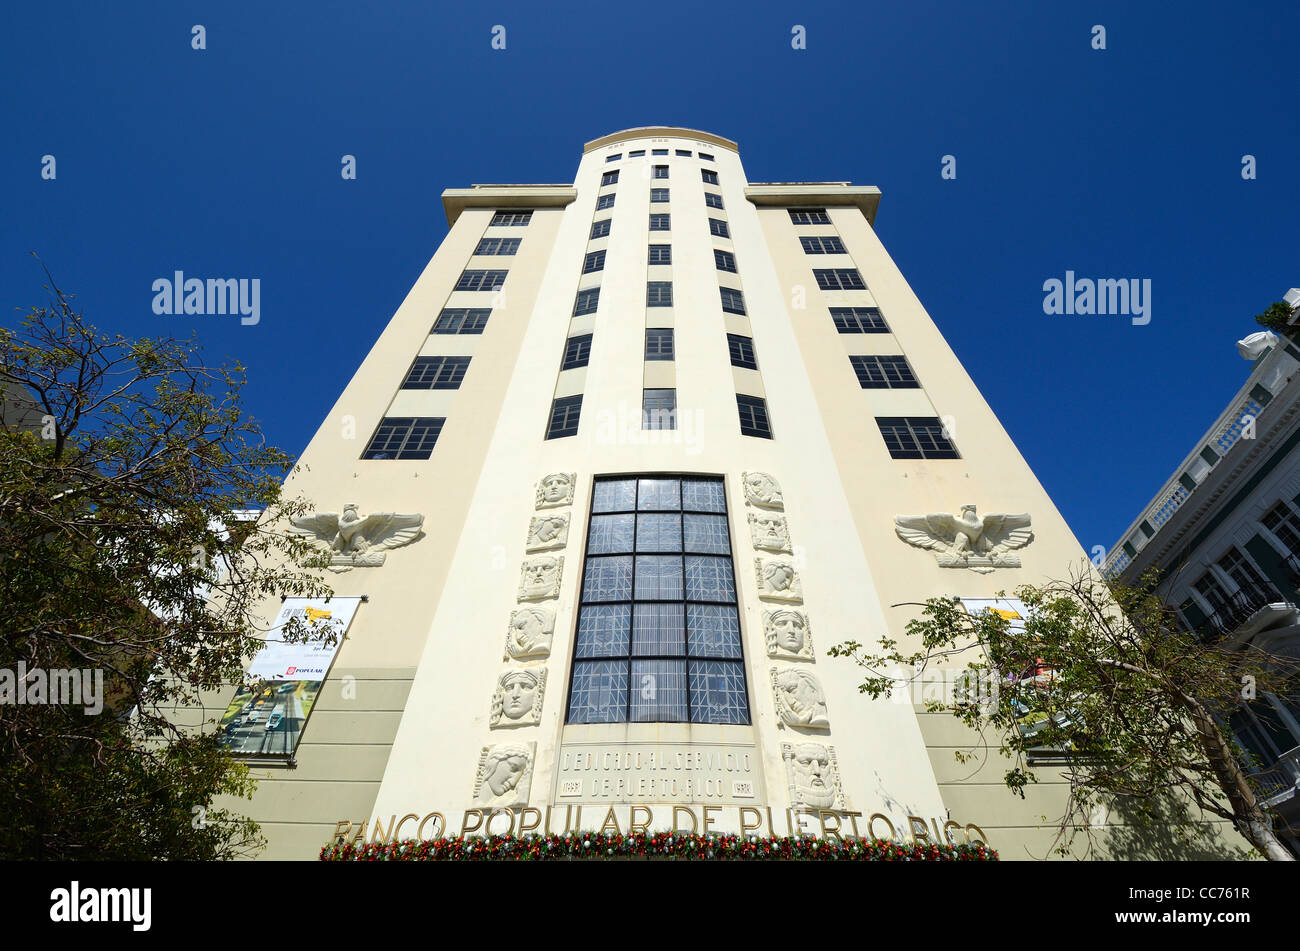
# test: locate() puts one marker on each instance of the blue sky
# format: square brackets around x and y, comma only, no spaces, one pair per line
[1119,163]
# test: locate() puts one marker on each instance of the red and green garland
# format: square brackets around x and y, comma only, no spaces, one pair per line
[659,845]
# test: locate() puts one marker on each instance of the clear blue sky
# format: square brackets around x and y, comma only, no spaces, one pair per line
[1117,163]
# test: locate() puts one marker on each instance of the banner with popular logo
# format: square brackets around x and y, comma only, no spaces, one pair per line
[269,721]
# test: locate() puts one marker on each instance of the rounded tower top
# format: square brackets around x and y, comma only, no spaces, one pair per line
[653,131]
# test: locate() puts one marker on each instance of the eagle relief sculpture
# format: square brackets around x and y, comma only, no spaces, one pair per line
[355,540]
[980,543]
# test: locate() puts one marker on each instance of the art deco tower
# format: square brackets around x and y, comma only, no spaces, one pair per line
[659,424]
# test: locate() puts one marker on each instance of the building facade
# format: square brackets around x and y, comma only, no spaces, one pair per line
[643,446]
[1223,534]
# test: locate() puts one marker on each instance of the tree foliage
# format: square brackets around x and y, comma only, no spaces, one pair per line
[121,462]
[1275,316]
[1100,681]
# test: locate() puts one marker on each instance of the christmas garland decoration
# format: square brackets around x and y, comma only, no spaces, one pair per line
[659,845]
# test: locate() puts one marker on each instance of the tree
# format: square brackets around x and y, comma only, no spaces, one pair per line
[1131,704]
[1275,317]
[120,460]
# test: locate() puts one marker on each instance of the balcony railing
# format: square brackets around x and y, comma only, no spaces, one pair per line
[1237,610]
[1281,778]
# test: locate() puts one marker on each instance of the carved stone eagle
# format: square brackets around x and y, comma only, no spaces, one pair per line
[355,540]
[968,540]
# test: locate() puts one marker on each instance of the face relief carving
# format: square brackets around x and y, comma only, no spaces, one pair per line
[777,580]
[787,634]
[799,699]
[540,577]
[811,773]
[769,531]
[556,489]
[762,489]
[529,635]
[505,774]
[518,698]
[548,531]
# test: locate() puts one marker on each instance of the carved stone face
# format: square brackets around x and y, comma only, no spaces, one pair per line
[762,489]
[555,489]
[530,633]
[813,780]
[799,698]
[788,631]
[505,767]
[769,531]
[548,531]
[540,577]
[777,580]
[517,695]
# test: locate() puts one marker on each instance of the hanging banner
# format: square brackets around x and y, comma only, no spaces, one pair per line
[269,721]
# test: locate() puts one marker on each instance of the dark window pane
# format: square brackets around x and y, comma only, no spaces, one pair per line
[658,630]
[604,630]
[706,534]
[659,494]
[658,532]
[599,692]
[718,692]
[614,495]
[610,534]
[658,577]
[658,691]
[608,579]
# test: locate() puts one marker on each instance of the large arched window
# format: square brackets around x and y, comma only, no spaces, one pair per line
[658,638]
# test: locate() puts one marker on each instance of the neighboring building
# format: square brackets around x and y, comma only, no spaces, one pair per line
[1224,535]
[644,446]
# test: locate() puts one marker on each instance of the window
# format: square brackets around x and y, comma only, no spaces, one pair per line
[659,409]
[605,201]
[436,373]
[712,200]
[659,343]
[659,152]
[594,261]
[600,229]
[718,228]
[661,254]
[609,178]
[733,302]
[1285,526]
[839,279]
[916,437]
[1246,575]
[659,294]
[742,351]
[822,245]
[809,216]
[661,171]
[564,417]
[884,373]
[706,156]
[498,246]
[614,158]
[658,194]
[481,280]
[660,222]
[859,320]
[512,219]
[725,260]
[684,153]
[710,178]
[657,607]
[1208,587]
[577,350]
[753,416]
[459,320]
[637,154]
[586,301]
[404,438]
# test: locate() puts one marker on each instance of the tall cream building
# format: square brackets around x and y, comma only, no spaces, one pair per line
[642,448]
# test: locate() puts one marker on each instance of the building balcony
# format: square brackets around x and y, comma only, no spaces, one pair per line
[1246,612]
[1280,782]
